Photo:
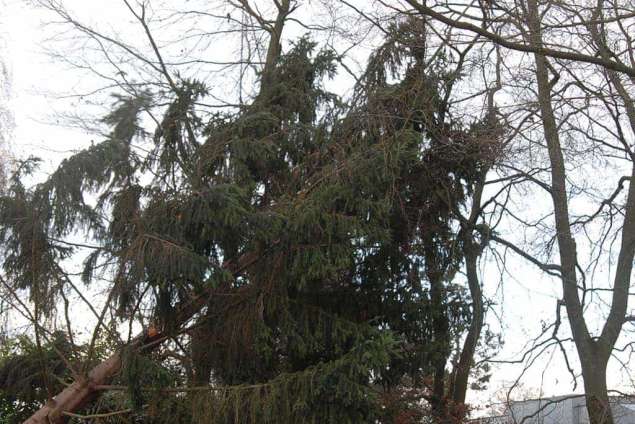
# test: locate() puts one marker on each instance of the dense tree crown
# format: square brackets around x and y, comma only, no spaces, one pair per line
[298,257]
[321,245]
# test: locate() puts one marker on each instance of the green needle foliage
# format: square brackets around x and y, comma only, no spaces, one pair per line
[24,382]
[322,236]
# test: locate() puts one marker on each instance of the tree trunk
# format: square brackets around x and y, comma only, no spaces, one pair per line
[462,370]
[597,400]
[274,49]
[76,395]
[81,392]
[593,354]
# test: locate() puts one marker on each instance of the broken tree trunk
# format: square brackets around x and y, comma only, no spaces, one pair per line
[86,389]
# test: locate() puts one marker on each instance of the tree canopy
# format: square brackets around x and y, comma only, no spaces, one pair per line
[301,256]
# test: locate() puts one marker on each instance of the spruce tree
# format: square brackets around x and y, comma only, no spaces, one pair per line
[301,251]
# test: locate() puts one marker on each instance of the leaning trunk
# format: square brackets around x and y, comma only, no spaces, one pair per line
[86,389]
[77,395]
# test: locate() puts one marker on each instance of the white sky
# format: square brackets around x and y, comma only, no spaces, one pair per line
[524,300]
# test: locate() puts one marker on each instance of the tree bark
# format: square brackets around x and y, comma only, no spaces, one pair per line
[597,400]
[274,49]
[466,359]
[78,394]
